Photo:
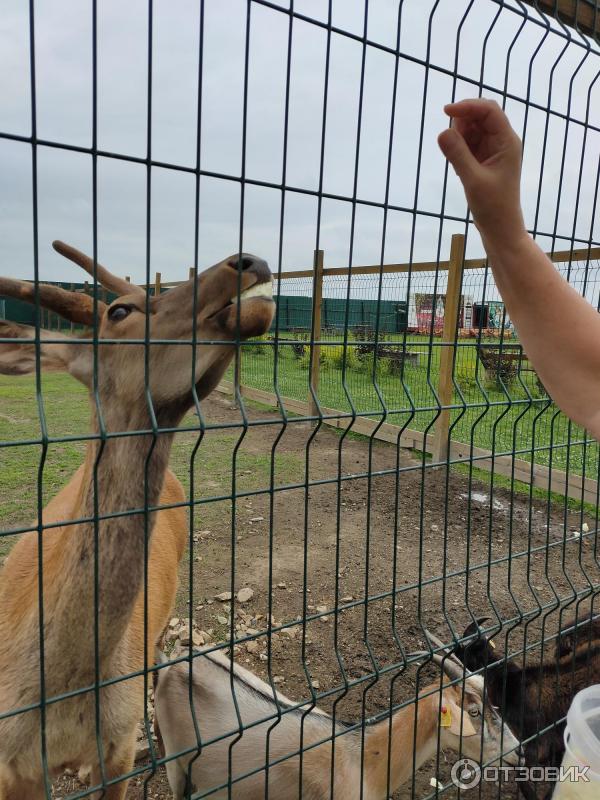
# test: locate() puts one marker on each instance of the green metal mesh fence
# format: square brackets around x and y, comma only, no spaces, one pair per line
[264,602]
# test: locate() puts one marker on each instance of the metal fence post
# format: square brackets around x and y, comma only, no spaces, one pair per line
[315,333]
[448,348]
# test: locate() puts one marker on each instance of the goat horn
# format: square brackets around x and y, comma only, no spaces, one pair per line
[70,305]
[420,656]
[433,639]
[446,654]
[104,276]
[453,669]
[473,627]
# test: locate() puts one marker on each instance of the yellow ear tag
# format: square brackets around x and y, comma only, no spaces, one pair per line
[491,644]
[445,717]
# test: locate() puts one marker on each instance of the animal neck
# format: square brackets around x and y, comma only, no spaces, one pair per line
[401,758]
[506,681]
[128,470]
[122,476]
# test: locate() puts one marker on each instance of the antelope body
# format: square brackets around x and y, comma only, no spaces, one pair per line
[120,474]
[278,732]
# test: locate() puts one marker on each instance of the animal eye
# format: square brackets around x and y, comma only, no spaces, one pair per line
[117,313]
[474,712]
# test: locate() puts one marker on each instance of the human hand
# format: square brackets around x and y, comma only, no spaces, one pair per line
[486,155]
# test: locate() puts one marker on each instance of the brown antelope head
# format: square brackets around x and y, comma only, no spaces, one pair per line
[474,727]
[168,319]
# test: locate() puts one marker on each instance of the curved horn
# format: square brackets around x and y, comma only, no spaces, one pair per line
[453,669]
[106,278]
[446,659]
[473,628]
[70,305]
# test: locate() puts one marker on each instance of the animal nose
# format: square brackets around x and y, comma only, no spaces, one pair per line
[244,261]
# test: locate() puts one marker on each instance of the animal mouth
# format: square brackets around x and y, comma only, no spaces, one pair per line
[264,290]
[260,291]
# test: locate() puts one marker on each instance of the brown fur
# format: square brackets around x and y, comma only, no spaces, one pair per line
[84,640]
[69,645]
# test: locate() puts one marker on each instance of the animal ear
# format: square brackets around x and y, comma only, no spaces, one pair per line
[476,653]
[60,354]
[454,713]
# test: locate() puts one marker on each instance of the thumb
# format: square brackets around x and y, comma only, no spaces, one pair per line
[456,150]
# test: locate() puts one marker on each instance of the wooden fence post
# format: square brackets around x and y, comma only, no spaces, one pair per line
[191,273]
[447,356]
[157,278]
[315,333]
[237,375]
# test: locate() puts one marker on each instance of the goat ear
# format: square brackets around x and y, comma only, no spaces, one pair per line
[59,355]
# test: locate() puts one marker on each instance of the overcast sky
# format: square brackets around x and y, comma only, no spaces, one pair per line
[64,82]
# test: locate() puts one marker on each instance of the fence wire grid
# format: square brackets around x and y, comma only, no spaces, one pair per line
[330,499]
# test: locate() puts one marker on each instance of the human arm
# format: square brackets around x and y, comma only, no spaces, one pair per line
[559,329]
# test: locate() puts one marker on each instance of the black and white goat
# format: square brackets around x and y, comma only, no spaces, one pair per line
[537,696]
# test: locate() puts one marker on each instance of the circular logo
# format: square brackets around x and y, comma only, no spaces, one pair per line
[466,773]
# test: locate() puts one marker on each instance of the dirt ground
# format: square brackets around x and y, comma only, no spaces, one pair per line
[389,539]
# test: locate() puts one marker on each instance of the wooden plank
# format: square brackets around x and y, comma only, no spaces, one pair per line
[577,254]
[449,334]
[314,372]
[411,439]
[558,257]
[371,269]
[581,14]
[290,404]
[543,478]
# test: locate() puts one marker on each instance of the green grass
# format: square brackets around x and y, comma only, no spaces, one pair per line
[492,418]
[66,413]
[516,417]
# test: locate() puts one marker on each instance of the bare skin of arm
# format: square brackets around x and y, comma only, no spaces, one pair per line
[559,329]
